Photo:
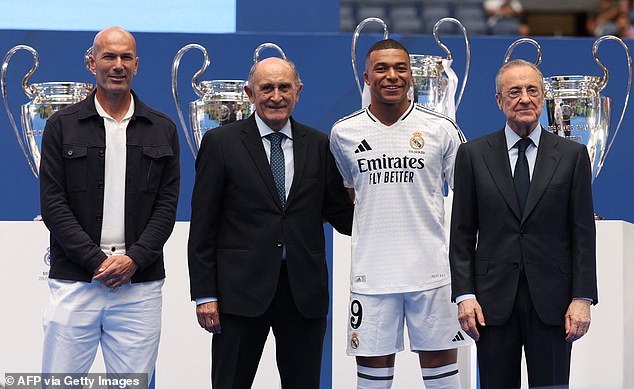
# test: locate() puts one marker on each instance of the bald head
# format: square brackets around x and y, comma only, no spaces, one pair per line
[273,88]
[274,62]
[114,64]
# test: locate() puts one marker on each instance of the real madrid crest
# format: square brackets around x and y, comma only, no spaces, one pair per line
[354,340]
[416,142]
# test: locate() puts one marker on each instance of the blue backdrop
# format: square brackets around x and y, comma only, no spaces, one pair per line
[329,93]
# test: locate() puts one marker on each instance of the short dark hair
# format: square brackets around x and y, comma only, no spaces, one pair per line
[386,44]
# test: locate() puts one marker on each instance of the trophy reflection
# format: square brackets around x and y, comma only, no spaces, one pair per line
[46,98]
[220,101]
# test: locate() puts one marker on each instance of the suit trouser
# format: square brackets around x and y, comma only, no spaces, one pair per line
[126,321]
[298,343]
[546,351]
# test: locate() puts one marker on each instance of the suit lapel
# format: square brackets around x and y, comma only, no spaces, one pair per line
[299,157]
[253,143]
[545,165]
[496,158]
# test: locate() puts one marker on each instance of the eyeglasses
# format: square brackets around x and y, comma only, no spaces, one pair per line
[514,93]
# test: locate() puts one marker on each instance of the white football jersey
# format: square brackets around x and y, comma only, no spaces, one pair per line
[398,172]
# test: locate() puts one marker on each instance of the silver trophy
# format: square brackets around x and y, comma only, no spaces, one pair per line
[435,83]
[221,101]
[575,108]
[46,98]
[353,49]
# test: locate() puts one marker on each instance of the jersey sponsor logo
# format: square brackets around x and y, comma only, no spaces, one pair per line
[389,169]
[386,162]
[417,142]
[363,146]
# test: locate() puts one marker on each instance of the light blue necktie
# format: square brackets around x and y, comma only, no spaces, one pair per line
[277,165]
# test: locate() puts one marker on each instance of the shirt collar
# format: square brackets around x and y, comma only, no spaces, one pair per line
[265,130]
[512,137]
[102,112]
[407,111]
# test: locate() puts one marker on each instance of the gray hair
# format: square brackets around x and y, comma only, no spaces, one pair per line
[514,64]
[298,81]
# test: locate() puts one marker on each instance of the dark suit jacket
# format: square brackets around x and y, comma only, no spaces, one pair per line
[554,240]
[238,228]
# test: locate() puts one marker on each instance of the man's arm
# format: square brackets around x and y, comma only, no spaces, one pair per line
[464,227]
[583,235]
[583,230]
[207,200]
[55,207]
[207,203]
[338,206]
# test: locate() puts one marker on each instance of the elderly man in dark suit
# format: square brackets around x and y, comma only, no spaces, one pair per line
[522,248]
[264,186]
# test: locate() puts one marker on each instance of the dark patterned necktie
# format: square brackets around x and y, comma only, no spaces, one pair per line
[521,178]
[277,165]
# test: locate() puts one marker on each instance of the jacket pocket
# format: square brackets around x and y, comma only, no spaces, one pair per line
[154,162]
[75,166]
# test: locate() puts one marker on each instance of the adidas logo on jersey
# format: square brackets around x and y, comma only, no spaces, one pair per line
[358,279]
[363,146]
[459,337]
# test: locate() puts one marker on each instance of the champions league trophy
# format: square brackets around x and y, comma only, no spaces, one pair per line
[46,99]
[221,101]
[576,110]
[432,88]
[364,92]
[435,83]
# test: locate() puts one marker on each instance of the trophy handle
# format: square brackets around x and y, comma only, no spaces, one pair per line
[353,50]
[450,57]
[533,42]
[605,80]
[27,90]
[197,88]
[87,60]
[268,45]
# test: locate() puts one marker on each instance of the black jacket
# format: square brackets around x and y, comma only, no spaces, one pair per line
[553,240]
[239,228]
[72,189]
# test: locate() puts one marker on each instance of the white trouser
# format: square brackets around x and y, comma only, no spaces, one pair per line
[126,321]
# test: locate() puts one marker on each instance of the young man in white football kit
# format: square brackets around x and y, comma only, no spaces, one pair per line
[395,157]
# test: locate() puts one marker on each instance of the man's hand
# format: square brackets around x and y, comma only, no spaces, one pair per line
[209,317]
[470,316]
[115,271]
[577,319]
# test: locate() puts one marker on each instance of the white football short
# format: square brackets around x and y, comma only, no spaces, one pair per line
[376,322]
